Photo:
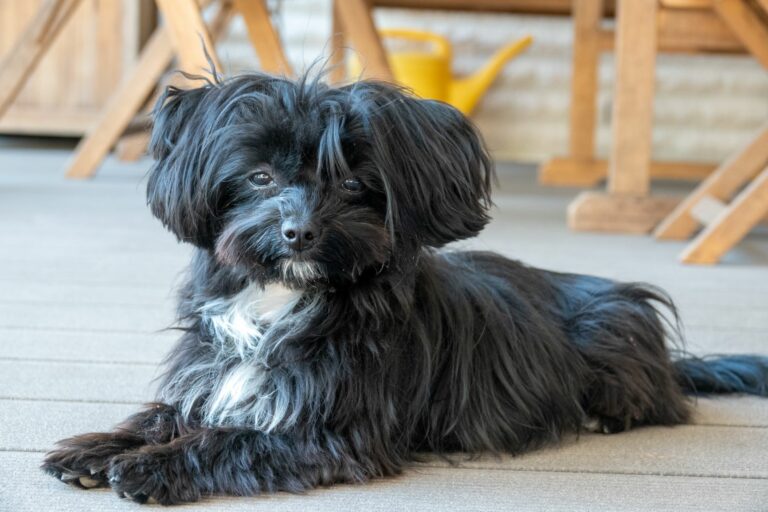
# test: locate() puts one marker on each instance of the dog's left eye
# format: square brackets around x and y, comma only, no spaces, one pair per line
[352,185]
[261,179]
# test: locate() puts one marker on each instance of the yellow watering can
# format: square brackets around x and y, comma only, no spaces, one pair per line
[428,72]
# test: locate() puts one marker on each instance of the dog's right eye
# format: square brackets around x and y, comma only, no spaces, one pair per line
[261,179]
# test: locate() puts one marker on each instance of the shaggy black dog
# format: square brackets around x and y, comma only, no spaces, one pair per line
[326,339]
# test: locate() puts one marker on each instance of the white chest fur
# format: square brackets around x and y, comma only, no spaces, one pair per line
[240,322]
[241,392]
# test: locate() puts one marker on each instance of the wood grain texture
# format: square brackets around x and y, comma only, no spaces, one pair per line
[722,184]
[748,26]
[622,213]
[82,261]
[264,38]
[359,29]
[125,102]
[632,120]
[191,41]
[587,15]
[571,172]
[32,44]
[748,208]
[94,48]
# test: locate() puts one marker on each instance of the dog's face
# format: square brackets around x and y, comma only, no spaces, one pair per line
[312,185]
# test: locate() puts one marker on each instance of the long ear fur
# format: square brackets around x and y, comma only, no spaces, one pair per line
[433,161]
[173,180]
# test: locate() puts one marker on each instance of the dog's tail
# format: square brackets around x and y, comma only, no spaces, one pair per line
[723,374]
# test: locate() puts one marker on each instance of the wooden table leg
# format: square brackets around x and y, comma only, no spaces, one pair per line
[626,207]
[23,58]
[733,223]
[722,184]
[337,61]
[264,37]
[632,121]
[189,37]
[751,30]
[356,18]
[578,168]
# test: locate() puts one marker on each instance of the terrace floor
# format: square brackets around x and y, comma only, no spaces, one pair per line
[86,280]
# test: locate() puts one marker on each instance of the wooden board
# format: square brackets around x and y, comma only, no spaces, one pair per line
[571,172]
[74,79]
[618,213]
[632,121]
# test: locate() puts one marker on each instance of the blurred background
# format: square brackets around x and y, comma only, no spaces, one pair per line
[630,138]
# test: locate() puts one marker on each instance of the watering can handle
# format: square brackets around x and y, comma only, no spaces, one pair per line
[442,45]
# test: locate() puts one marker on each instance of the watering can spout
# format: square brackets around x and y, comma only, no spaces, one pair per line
[466,92]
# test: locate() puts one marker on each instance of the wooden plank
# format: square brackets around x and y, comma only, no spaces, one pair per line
[359,28]
[34,120]
[119,383]
[584,78]
[747,25]
[695,31]
[687,4]
[622,213]
[633,98]
[264,37]
[191,41]
[544,7]
[337,60]
[93,317]
[722,184]
[86,61]
[654,450]
[571,172]
[733,224]
[55,421]
[443,489]
[132,147]
[85,346]
[122,106]
[764,5]
[23,58]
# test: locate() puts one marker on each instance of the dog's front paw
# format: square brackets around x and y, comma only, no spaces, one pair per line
[153,475]
[83,460]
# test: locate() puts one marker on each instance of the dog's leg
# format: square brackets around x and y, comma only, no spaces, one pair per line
[622,338]
[236,462]
[83,460]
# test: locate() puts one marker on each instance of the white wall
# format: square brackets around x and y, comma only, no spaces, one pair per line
[706,106]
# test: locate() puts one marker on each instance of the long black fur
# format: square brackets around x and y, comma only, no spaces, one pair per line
[392,347]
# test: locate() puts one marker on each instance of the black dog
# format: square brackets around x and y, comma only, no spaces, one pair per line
[327,340]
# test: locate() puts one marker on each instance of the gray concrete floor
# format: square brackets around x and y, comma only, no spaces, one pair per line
[86,279]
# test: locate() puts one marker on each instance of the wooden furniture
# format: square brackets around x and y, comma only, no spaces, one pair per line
[742,179]
[97,42]
[353,22]
[681,26]
[626,205]
[184,35]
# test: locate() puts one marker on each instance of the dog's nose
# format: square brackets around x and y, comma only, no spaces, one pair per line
[299,236]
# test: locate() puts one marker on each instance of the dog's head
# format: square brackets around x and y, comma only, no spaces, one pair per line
[311,184]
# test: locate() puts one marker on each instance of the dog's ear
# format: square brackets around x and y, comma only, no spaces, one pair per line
[176,144]
[436,170]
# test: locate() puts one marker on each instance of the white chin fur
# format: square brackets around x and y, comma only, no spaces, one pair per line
[301,271]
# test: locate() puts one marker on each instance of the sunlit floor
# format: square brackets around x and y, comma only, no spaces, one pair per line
[86,280]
